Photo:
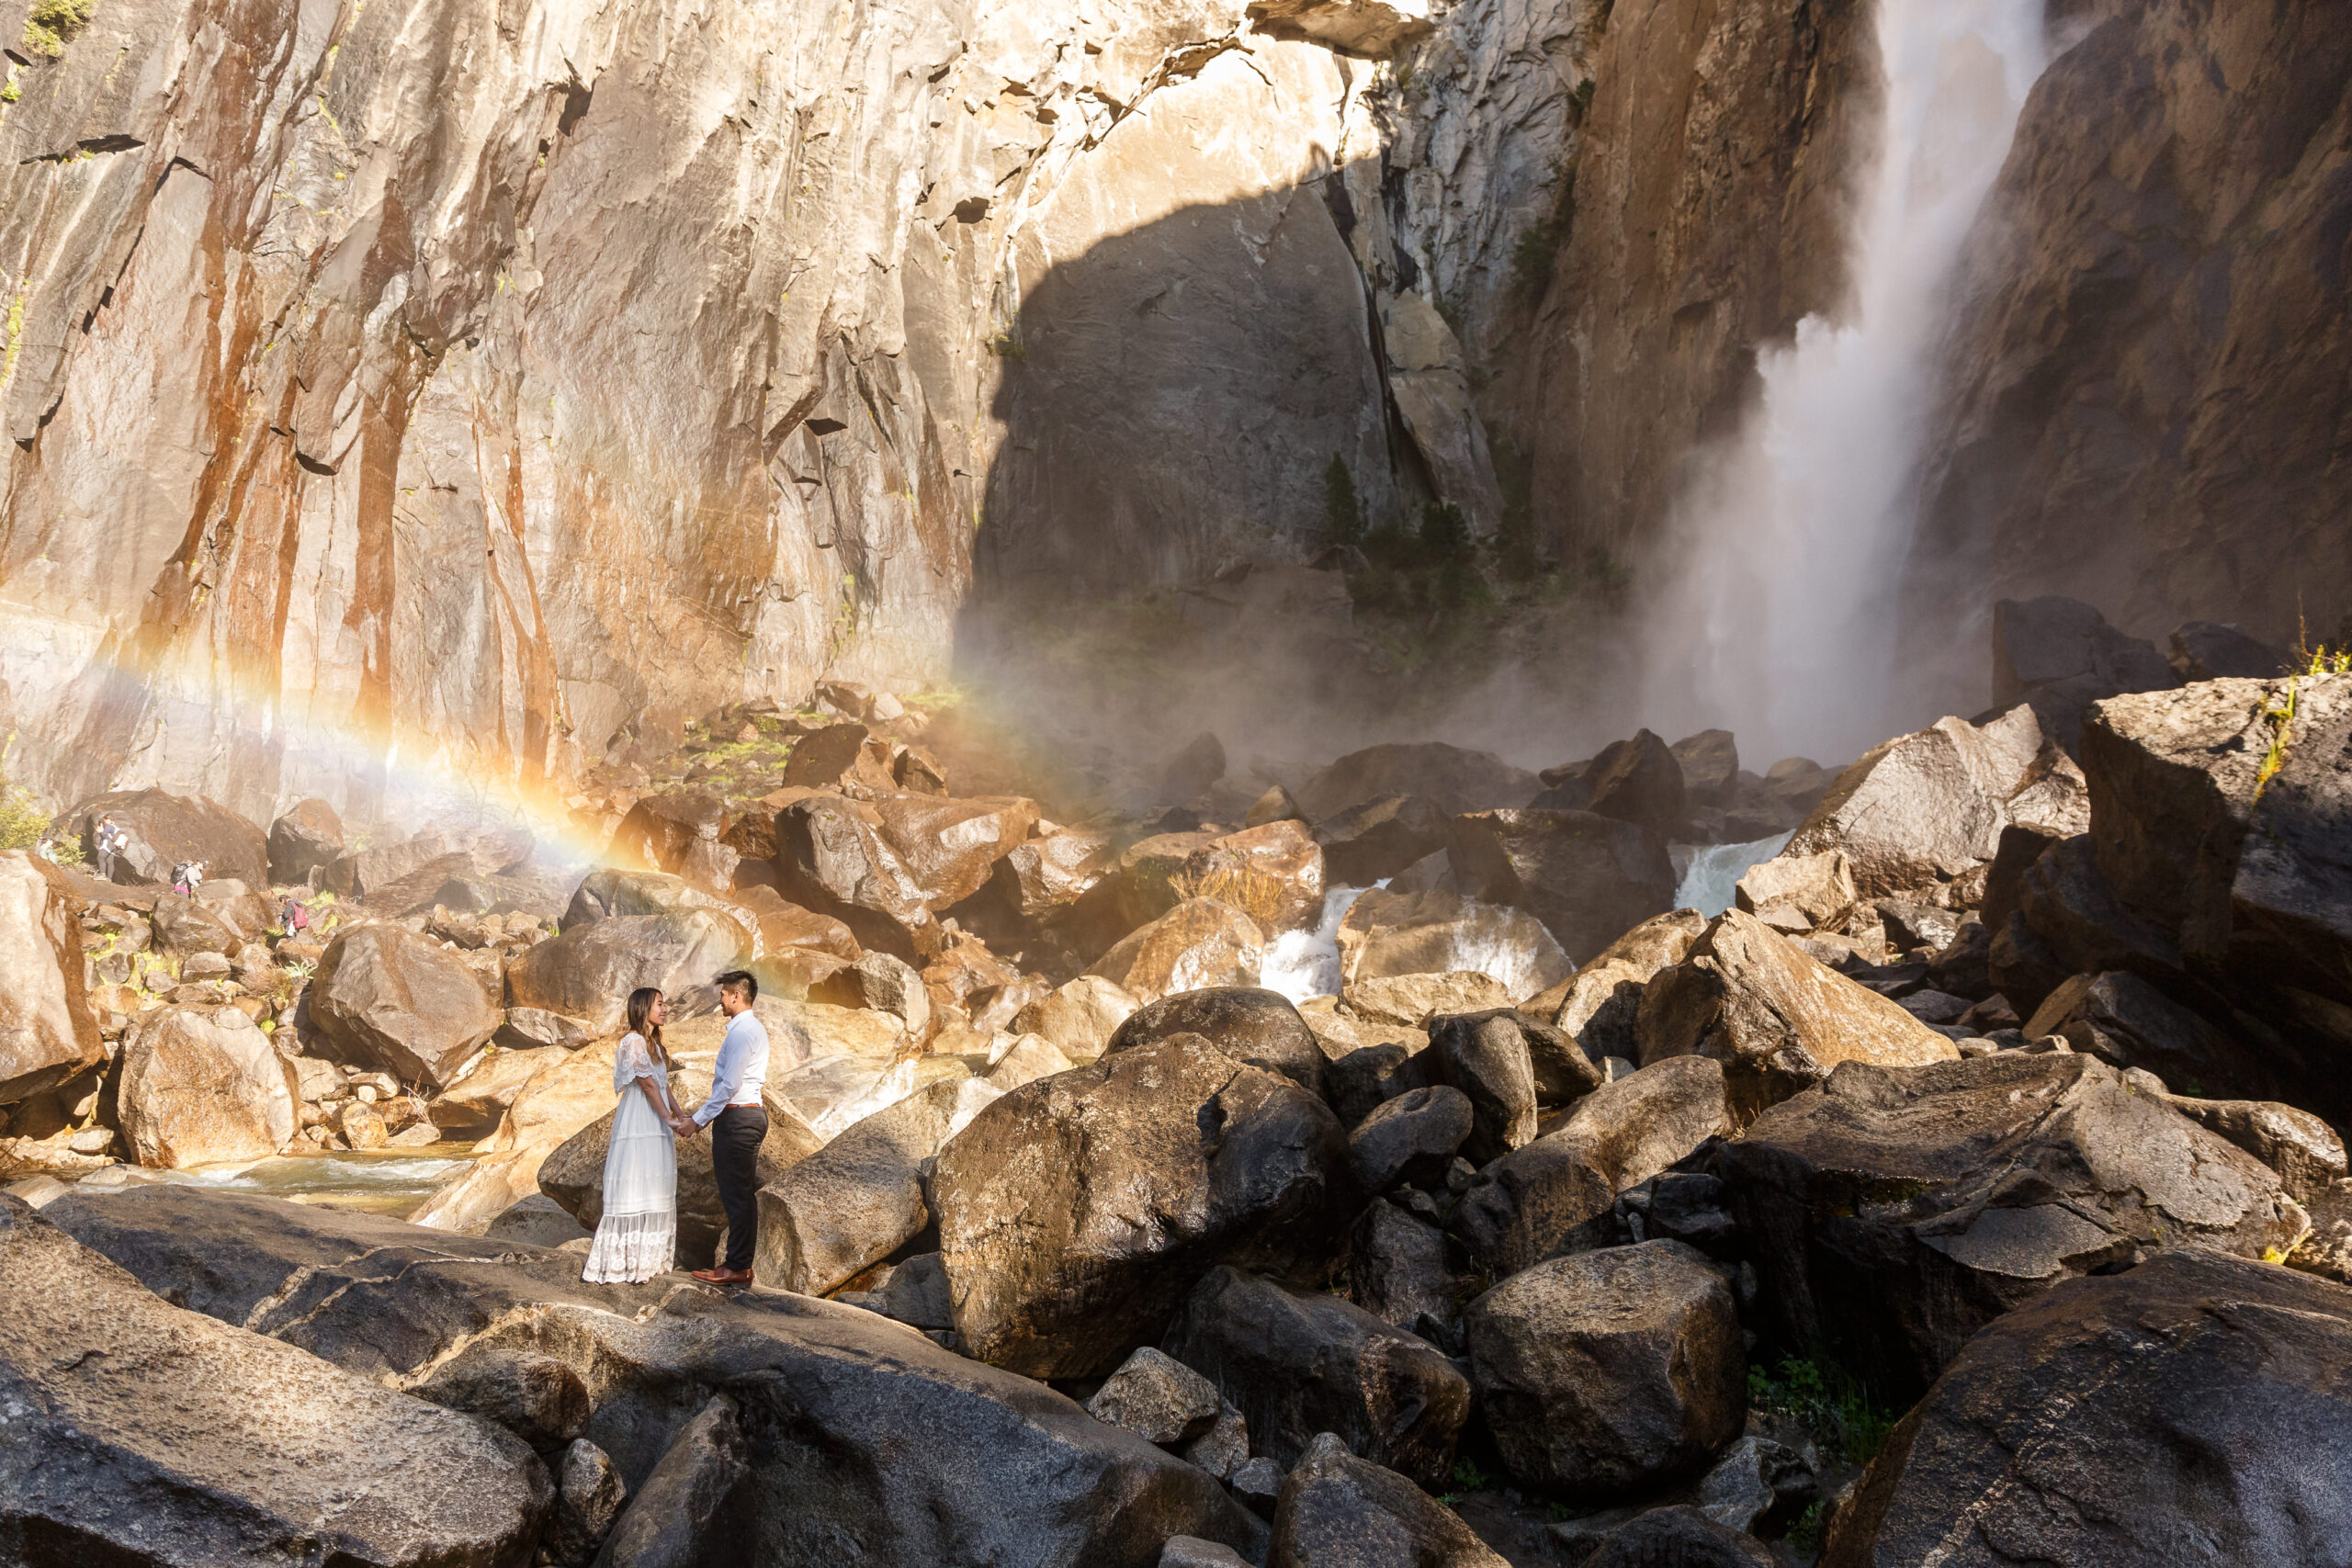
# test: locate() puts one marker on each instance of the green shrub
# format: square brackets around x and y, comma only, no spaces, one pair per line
[1342,513]
[1832,1404]
[53,24]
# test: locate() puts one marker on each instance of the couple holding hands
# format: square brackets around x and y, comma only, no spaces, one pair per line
[637,1237]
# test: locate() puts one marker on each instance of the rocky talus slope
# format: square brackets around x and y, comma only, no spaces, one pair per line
[1970,1188]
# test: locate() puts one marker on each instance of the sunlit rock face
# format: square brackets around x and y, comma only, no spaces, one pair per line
[440,386]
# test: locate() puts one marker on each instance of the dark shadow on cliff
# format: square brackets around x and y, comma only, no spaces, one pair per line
[1162,545]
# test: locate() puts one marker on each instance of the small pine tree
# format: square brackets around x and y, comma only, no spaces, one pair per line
[1343,515]
[1445,533]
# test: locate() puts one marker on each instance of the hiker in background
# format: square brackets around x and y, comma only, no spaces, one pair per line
[291,917]
[181,871]
[46,847]
[108,842]
[194,876]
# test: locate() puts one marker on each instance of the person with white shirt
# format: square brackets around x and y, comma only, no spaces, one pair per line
[738,1121]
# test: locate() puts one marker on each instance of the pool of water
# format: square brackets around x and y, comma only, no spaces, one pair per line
[393,1182]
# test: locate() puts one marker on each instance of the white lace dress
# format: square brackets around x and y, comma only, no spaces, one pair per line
[640,1230]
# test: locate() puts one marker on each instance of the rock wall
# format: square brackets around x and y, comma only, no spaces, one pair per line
[411,390]
[2147,406]
[1708,215]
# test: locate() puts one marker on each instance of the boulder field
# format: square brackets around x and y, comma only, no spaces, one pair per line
[1970,1186]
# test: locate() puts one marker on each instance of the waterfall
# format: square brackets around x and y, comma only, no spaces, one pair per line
[1781,623]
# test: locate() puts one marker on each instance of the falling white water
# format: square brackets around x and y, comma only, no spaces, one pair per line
[1711,879]
[1307,964]
[1782,623]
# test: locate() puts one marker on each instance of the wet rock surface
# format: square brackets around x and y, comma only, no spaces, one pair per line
[2197,1396]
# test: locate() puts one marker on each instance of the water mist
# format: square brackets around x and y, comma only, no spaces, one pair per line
[1780,622]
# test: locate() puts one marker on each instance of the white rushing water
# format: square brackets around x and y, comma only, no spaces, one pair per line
[1307,964]
[1782,623]
[1714,873]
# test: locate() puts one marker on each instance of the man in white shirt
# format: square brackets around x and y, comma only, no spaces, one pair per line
[738,1121]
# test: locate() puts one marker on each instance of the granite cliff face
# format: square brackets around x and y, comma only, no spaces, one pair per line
[2147,405]
[454,385]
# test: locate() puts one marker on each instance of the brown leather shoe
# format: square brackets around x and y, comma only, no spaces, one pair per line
[724,1276]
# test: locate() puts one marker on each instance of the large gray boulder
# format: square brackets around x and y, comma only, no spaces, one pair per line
[1373,840]
[306,837]
[1259,1028]
[589,971]
[201,1086]
[1388,934]
[1078,1212]
[2195,1408]
[161,829]
[1399,1270]
[1455,779]
[392,1000]
[1556,1194]
[1588,878]
[1777,1019]
[1296,1363]
[2123,1020]
[1893,1213]
[266,1453]
[843,1208]
[2059,655]
[224,1254]
[853,1429]
[1608,1372]
[2225,825]
[48,1033]
[1410,1139]
[1486,1057]
[1600,1005]
[1336,1509]
[678,1517]
[831,857]
[1924,809]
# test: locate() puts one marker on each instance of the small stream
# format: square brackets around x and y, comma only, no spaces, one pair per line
[393,1183]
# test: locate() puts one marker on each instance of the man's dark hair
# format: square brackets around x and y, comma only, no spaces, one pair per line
[742,978]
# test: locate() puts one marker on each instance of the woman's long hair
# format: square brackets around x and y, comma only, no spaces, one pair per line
[640,1009]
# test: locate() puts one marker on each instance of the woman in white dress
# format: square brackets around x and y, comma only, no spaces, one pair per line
[639,1229]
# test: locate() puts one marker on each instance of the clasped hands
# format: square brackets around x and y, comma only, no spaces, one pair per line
[685,1126]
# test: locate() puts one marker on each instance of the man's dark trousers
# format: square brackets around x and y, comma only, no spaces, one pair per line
[736,1135]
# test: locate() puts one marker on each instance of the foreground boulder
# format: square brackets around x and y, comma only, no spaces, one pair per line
[199,1085]
[1891,1214]
[1297,1363]
[847,1206]
[852,1429]
[1337,1510]
[395,1000]
[1777,1019]
[2196,1404]
[1257,1028]
[948,847]
[588,972]
[1556,1194]
[268,1455]
[1077,1211]
[1588,878]
[161,829]
[47,1031]
[1609,1370]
